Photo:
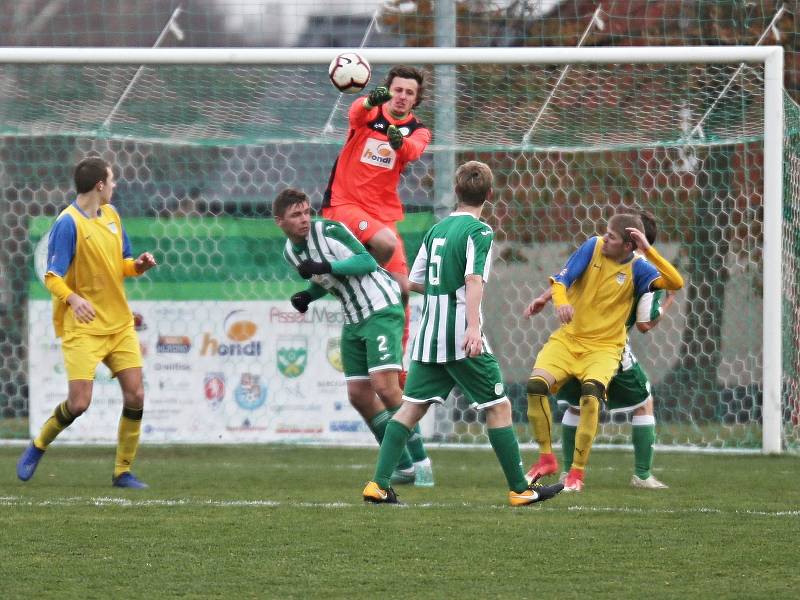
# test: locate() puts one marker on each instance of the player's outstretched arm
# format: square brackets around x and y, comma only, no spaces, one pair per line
[535,307]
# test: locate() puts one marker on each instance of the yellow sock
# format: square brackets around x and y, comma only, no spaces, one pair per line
[587,429]
[55,424]
[130,426]
[539,414]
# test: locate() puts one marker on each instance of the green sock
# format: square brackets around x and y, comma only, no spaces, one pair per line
[405,461]
[392,448]
[505,446]
[415,446]
[644,436]
[569,426]
[377,425]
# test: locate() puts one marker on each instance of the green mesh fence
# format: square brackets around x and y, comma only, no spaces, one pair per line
[201,152]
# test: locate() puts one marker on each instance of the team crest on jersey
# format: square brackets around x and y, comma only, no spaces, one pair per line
[621,277]
[292,355]
[362,225]
[112,227]
[378,154]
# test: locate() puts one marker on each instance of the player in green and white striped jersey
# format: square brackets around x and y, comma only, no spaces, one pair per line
[449,348]
[628,390]
[337,263]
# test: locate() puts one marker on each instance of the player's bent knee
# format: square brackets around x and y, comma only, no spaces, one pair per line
[537,386]
[593,389]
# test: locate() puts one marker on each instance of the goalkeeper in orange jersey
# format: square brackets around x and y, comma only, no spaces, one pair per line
[594,295]
[384,136]
[88,257]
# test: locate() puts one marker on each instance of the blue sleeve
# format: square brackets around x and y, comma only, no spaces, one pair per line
[61,245]
[127,252]
[644,274]
[577,263]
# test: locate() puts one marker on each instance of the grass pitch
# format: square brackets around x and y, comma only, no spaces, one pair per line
[288,522]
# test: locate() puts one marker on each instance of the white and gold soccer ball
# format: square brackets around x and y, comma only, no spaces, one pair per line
[349,72]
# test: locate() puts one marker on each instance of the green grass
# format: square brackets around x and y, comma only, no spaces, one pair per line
[288,522]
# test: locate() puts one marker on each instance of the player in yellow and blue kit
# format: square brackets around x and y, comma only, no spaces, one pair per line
[88,258]
[594,295]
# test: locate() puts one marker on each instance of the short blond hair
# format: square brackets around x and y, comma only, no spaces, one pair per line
[474,180]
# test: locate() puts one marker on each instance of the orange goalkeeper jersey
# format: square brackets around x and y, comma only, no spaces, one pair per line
[367,171]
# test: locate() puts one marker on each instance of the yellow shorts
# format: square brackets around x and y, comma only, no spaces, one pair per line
[562,360]
[82,352]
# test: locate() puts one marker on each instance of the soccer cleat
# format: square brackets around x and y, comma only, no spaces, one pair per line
[547,465]
[128,480]
[403,476]
[651,483]
[574,481]
[423,476]
[373,493]
[28,461]
[536,492]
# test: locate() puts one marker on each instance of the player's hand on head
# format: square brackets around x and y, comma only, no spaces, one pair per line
[565,313]
[83,309]
[145,262]
[395,137]
[309,267]
[638,237]
[300,301]
[378,96]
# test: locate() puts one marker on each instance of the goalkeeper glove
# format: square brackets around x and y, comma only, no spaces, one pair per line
[300,301]
[309,267]
[395,137]
[377,97]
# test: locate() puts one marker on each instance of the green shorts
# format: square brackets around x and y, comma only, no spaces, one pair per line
[478,377]
[627,391]
[375,344]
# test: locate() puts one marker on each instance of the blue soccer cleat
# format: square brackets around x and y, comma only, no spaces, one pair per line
[128,480]
[27,463]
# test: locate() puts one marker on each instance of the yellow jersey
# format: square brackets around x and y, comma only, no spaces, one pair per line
[89,254]
[602,292]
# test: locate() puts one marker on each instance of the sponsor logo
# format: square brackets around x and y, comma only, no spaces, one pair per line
[333,353]
[240,330]
[384,356]
[250,394]
[320,314]
[245,426]
[173,344]
[214,388]
[621,278]
[138,322]
[308,429]
[172,367]
[348,426]
[378,154]
[292,355]
[330,386]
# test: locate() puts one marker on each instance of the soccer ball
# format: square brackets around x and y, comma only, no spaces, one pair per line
[349,72]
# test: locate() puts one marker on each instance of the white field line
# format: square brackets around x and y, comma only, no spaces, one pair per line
[105,501]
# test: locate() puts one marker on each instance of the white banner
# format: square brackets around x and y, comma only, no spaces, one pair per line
[215,372]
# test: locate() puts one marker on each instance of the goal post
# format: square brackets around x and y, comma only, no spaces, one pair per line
[263,153]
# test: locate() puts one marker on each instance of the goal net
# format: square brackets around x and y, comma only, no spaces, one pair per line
[203,140]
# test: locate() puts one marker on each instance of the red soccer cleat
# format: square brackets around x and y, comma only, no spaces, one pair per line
[574,481]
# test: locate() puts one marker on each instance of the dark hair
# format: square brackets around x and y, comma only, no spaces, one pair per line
[473,183]
[650,226]
[406,72]
[620,222]
[288,197]
[89,172]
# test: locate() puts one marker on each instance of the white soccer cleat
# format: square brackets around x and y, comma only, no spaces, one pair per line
[651,483]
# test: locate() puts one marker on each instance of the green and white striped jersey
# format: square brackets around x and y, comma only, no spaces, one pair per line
[360,295]
[457,246]
[646,309]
